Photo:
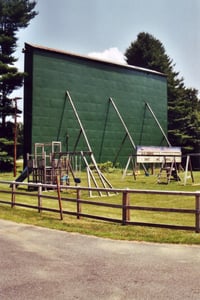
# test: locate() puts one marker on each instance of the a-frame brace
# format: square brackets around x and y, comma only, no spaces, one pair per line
[170,169]
[188,168]
[122,121]
[157,122]
[127,134]
[91,173]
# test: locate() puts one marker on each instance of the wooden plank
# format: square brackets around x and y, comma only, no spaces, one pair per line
[59,197]
[197,214]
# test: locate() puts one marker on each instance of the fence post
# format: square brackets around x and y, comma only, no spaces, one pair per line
[197,213]
[78,196]
[39,197]
[59,197]
[13,195]
[125,207]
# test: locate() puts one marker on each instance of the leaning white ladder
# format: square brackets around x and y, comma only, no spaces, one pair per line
[168,170]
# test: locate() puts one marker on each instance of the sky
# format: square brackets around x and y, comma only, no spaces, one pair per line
[106,28]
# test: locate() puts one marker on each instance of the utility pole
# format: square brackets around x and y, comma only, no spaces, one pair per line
[15,136]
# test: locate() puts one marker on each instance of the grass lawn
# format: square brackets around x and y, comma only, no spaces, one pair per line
[112,230]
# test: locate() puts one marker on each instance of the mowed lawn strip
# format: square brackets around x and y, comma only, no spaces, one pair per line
[109,229]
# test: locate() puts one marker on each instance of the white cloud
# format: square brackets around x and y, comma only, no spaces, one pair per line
[111,54]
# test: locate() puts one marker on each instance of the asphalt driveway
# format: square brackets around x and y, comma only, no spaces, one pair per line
[38,263]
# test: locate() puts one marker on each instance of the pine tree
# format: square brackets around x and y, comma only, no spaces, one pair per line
[14,15]
[183,104]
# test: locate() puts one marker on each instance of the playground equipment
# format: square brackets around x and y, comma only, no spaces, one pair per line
[96,171]
[48,161]
[189,169]
[44,167]
[171,156]
[166,157]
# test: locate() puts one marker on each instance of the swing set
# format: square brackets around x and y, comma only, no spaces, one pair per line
[47,167]
[166,157]
[189,174]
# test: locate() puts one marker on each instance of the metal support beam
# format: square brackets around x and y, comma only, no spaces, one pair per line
[79,121]
[102,178]
[126,129]
[151,111]
[123,123]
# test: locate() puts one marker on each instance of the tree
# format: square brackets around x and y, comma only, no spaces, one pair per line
[185,114]
[14,15]
[183,104]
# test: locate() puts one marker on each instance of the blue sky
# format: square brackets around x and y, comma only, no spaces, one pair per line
[107,28]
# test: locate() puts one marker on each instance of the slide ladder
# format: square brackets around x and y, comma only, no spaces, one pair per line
[168,171]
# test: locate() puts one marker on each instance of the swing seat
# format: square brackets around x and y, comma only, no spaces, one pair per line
[77,180]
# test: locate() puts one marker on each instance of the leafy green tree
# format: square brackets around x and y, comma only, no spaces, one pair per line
[183,104]
[14,15]
[186,120]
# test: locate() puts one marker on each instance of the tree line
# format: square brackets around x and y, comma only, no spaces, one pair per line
[146,51]
[183,103]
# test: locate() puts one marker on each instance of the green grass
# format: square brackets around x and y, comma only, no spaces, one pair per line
[111,230]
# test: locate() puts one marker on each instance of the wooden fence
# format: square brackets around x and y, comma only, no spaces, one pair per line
[127,210]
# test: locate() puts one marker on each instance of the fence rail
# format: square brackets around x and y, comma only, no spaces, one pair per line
[126,208]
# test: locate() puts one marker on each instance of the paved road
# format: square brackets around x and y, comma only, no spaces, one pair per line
[38,263]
